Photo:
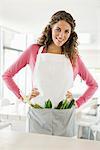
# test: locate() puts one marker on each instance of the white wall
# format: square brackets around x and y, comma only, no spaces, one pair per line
[28,15]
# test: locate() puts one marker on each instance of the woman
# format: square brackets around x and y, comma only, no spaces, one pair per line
[54,62]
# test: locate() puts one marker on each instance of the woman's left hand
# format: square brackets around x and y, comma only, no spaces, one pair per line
[69,96]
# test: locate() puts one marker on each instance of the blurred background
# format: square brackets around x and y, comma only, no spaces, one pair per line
[22,21]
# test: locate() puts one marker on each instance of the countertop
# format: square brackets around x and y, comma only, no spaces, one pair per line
[10,140]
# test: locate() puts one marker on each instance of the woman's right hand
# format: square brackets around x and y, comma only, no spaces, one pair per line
[34,93]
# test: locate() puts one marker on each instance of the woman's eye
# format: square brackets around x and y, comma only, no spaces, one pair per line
[67,31]
[58,29]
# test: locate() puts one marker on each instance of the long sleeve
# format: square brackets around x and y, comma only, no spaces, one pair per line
[90,82]
[21,62]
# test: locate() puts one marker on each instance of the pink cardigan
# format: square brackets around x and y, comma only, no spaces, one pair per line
[29,57]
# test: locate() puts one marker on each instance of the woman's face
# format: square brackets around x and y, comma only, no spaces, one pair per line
[61,32]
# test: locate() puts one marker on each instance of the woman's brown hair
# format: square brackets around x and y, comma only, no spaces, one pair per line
[70,47]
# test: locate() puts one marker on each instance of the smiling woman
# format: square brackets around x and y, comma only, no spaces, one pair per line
[61,32]
[55,63]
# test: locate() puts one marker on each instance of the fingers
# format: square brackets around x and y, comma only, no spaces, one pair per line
[34,93]
[69,93]
[69,96]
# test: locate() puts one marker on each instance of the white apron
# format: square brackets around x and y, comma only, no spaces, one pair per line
[53,76]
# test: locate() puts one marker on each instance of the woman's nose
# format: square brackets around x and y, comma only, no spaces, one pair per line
[61,35]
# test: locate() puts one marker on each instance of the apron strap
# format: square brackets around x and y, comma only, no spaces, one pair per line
[37,61]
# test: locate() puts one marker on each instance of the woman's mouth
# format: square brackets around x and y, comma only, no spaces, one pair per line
[59,40]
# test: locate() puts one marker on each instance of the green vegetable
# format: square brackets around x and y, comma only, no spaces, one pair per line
[72,102]
[64,105]
[48,104]
[59,105]
[36,106]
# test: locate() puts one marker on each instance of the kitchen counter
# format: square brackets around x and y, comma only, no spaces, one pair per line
[28,141]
